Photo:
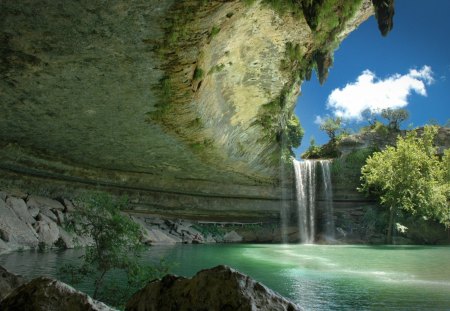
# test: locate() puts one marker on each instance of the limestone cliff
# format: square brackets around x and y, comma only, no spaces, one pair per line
[185,104]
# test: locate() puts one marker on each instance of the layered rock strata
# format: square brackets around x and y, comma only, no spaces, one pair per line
[184,102]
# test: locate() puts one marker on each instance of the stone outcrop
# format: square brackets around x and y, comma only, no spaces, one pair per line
[8,282]
[219,288]
[32,222]
[47,294]
[27,222]
[167,100]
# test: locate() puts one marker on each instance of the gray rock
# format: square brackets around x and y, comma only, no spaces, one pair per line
[8,282]
[47,294]
[40,202]
[18,232]
[48,231]
[4,248]
[210,239]
[66,238]
[5,235]
[219,288]
[155,236]
[69,207]
[16,193]
[34,211]
[60,217]
[3,195]
[232,237]
[20,209]
[47,213]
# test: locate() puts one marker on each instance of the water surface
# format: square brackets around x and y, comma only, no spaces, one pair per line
[314,276]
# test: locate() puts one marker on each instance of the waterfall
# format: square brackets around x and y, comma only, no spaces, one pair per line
[328,196]
[306,185]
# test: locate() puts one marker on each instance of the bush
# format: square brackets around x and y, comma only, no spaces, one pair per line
[116,248]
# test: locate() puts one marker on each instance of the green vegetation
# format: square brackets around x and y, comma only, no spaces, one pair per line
[216,68]
[281,125]
[331,126]
[198,74]
[294,132]
[214,31]
[394,117]
[410,177]
[116,247]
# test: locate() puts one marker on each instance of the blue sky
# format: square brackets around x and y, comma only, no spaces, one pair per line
[410,67]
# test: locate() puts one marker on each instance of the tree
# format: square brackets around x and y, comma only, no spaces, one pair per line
[370,116]
[331,126]
[410,177]
[394,117]
[116,246]
[295,131]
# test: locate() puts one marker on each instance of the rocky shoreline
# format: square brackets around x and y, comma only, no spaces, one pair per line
[29,221]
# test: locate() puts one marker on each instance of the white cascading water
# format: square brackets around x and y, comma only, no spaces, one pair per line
[305,181]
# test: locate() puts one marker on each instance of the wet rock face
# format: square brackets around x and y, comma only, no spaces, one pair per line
[219,288]
[47,294]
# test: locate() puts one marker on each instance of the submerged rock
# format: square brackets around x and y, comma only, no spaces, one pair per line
[219,288]
[47,294]
[8,282]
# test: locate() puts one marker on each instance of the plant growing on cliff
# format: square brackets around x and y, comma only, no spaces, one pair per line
[116,246]
[410,177]
[331,126]
[394,117]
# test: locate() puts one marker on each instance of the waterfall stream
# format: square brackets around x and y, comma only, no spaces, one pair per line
[306,188]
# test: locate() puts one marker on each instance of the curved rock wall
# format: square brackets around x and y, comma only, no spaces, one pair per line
[157,98]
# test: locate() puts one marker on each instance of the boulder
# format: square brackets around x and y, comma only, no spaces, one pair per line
[34,211]
[20,209]
[66,239]
[155,236]
[8,282]
[47,230]
[47,294]
[48,214]
[60,217]
[210,239]
[232,237]
[40,202]
[219,288]
[69,207]
[17,231]
[4,248]
[3,195]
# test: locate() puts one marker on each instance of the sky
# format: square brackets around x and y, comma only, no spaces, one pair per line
[410,68]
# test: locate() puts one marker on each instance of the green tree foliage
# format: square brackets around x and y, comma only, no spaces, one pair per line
[410,177]
[370,117]
[394,117]
[331,126]
[116,247]
[294,132]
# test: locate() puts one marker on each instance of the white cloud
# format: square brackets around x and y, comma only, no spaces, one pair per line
[370,92]
[319,120]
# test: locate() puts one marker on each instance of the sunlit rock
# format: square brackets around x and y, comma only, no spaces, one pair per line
[219,288]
